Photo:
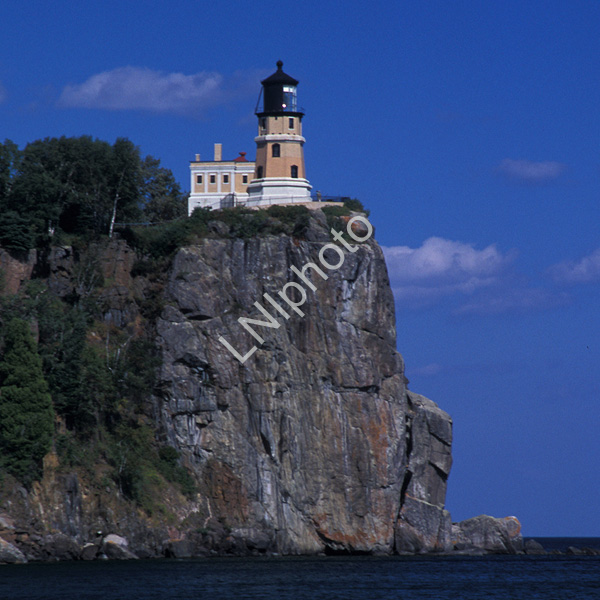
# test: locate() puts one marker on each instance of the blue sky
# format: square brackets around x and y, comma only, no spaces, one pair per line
[471,130]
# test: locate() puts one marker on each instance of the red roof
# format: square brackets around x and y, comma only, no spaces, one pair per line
[241,158]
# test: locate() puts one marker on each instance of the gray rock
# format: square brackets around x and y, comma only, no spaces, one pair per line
[117,552]
[112,538]
[307,440]
[116,547]
[218,227]
[10,554]
[534,547]
[89,551]
[178,549]
[488,534]
[313,445]
[59,546]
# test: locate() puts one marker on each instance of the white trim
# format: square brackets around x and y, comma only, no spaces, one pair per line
[280,137]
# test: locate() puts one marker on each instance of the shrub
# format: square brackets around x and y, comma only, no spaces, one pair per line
[172,471]
[356,205]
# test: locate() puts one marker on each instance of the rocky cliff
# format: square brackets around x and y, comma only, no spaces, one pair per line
[313,444]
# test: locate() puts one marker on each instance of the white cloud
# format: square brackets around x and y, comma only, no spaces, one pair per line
[427,370]
[528,171]
[513,300]
[468,281]
[584,270]
[442,267]
[138,88]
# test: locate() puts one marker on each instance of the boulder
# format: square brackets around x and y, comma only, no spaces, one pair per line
[178,549]
[116,539]
[116,547]
[10,554]
[533,547]
[89,551]
[58,546]
[488,534]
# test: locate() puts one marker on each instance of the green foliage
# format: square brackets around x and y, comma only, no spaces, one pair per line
[356,205]
[9,162]
[136,372]
[15,232]
[82,186]
[334,214]
[161,241]
[138,467]
[174,472]
[26,414]
[128,452]
[338,210]
[161,195]
[73,453]
[295,219]
[158,241]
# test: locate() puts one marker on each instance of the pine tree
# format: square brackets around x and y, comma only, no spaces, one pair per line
[26,413]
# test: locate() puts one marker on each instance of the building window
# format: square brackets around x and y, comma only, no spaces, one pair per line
[198,179]
[259,172]
[294,171]
[276,150]
[291,122]
[244,179]
[263,123]
[213,179]
[225,178]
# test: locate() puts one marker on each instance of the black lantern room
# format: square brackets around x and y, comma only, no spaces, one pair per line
[278,95]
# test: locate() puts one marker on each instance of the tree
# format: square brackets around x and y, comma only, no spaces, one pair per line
[15,232]
[26,413]
[161,195]
[125,182]
[9,160]
[84,186]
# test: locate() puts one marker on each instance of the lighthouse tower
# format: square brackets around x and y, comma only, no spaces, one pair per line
[279,175]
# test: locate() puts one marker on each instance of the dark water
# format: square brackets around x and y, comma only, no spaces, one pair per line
[348,578]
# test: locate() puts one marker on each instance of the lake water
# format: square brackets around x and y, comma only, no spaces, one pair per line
[331,578]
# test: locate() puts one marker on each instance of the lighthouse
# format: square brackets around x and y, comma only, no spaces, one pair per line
[279,173]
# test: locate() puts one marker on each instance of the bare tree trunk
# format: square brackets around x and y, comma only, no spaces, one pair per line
[114,212]
[114,216]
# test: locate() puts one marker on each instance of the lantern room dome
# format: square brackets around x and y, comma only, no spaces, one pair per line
[279,77]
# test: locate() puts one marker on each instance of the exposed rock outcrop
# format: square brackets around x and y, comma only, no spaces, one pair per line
[488,535]
[313,442]
[15,269]
[312,445]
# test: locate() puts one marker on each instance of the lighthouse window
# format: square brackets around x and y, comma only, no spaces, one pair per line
[259,172]
[289,98]
[198,179]
[276,150]
[291,123]
[294,172]
[263,123]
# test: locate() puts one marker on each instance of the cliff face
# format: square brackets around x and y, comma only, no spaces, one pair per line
[313,444]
